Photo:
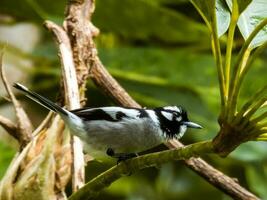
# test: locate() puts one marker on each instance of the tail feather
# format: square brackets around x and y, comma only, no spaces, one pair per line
[41,100]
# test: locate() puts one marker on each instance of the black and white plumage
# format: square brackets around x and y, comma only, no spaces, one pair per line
[118,130]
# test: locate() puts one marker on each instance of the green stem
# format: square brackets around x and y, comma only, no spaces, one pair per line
[256,97]
[90,189]
[255,55]
[255,107]
[236,86]
[230,39]
[260,118]
[218,58]
[233,92]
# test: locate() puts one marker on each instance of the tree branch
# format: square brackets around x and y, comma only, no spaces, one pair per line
[138,163]
[24,127]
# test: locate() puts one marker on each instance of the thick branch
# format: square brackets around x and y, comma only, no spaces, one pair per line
[80,29]
[219,180]
[71,98]
[138,163]
[109,85]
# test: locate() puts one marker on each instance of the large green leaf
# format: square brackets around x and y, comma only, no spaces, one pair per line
[252,13]
[242,4]
[208,9]
[250,18]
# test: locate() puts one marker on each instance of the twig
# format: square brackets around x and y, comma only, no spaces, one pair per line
[71,98]
[9,126]
[24,126]
[138,163]
[109,85]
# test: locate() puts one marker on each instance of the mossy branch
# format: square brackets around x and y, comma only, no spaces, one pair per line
[133,165]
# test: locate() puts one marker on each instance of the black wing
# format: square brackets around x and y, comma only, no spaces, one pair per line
[113,114]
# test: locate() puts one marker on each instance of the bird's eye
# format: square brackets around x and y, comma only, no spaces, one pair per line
[176,114]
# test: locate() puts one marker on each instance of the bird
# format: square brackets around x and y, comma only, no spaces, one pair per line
[119,132]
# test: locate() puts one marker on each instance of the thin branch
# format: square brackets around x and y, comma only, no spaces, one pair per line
[133,165]
[109,85]
[24,126]
[9,126]
[71,98]
[43,124]
[216,178]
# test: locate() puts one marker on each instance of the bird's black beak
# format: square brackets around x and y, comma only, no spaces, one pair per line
[192,125]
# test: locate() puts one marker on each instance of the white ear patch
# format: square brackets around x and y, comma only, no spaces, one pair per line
[167,115]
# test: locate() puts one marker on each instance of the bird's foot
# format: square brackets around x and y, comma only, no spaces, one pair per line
[120,156]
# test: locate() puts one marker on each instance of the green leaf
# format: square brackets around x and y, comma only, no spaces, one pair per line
[250,18]
[223,17]
[207,11]
[242,4]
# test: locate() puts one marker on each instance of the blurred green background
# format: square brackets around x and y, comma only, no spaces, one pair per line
[159,50]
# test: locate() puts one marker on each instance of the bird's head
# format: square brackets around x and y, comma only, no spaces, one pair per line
[174,121]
